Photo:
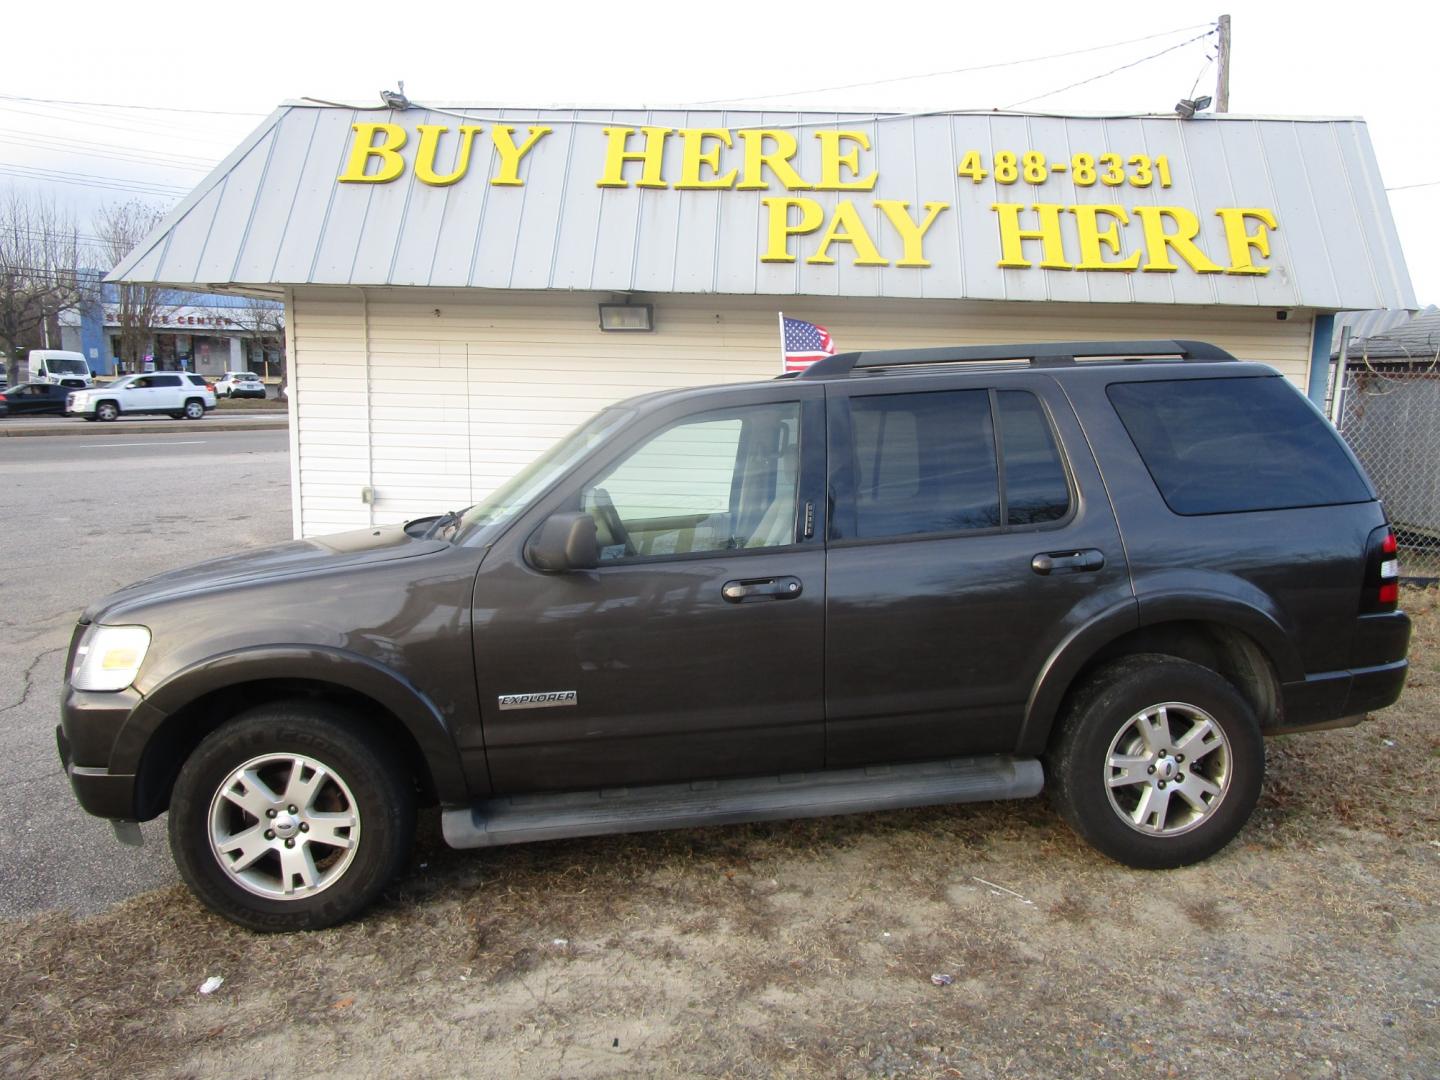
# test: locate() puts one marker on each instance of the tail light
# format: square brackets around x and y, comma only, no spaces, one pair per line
[3,398]
[1382,572]
[210,387]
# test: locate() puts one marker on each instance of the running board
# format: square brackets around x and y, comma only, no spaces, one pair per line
[555,815]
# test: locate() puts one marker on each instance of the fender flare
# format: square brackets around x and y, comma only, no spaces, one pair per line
[311,663]
[1081,646]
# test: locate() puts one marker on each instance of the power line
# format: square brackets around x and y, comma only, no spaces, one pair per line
[113,105]
[1407,187]
[154,163]
[1112,71]
[142,127]
[109,147]
[177,188]
[98,183]
[956,71]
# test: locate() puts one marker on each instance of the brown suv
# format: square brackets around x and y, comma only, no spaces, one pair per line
[903,578]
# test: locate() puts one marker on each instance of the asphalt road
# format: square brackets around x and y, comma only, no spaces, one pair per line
[83,516]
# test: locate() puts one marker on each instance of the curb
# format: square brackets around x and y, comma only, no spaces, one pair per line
[140,427]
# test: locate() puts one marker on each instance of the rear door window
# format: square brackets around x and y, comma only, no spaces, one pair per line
[1222,446]
[930,463]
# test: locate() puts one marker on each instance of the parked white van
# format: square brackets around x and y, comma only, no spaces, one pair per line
[58,366]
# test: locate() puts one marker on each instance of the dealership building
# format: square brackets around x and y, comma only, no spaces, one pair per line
[465,284]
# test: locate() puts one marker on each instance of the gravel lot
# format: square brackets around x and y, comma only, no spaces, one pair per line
[1309,948]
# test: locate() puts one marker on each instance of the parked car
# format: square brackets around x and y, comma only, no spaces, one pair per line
[173,393]
[241,384]
[902,578]
[30,399]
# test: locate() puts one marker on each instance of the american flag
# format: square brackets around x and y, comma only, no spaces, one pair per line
[804,343]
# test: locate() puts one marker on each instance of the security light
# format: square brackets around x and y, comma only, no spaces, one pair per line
[1185,108]
[627,317]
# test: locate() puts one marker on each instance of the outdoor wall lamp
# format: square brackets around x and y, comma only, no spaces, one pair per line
[1186,109]
[631,318]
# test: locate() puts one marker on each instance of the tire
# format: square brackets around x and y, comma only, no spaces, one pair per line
[364,803]
[107,411]
[194,409]
[1141,710]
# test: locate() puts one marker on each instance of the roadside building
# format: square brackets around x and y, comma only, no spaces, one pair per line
[463,285]
[209,333]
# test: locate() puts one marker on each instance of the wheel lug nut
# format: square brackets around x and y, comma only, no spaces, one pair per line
[304,827]
[1151,769]
[269,834]
[1161,786]
[1179,757]
[289,843]
[271,812]
[291,809]
[1179,778]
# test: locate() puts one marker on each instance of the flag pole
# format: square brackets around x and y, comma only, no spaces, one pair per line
[782,343]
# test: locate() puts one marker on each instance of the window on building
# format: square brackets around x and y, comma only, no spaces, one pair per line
[718,481]
[1219,446]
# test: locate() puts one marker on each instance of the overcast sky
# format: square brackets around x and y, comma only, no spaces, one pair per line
[1373,60]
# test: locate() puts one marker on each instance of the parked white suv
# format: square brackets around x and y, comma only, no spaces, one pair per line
[240,384]
[175,393]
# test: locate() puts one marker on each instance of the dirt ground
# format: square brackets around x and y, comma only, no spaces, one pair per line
[971,942]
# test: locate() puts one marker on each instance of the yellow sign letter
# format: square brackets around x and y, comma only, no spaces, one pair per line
[848,227]
[1240,242]
[430,146]
[780,231]
[757,159]
[511,155]
[1052,244]
[694,156]
[1182,240]
[363,149]
[617,153]
[831,161]
[1092,236]
[911,234]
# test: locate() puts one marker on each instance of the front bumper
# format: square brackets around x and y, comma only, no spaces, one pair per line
[89,723]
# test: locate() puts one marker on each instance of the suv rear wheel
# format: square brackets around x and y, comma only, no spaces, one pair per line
[1158,763]
[194,409]
[288,818]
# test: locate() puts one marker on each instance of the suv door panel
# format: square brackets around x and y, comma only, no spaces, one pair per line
[672,679]
[933,643]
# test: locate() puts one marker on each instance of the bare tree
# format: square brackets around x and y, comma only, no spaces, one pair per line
[266,320]
[121,227]
[39,271]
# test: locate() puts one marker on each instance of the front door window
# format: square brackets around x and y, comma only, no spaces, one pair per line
[719,481]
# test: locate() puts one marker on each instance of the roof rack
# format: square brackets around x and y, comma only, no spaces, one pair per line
[1044,354]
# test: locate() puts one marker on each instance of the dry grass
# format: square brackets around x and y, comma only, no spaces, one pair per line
[1308,948]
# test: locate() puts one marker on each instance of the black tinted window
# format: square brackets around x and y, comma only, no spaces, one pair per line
[924,463]
[1217,446]
[165,380]
[1036,490]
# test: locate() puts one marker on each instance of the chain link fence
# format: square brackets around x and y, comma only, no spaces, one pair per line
[1389,413]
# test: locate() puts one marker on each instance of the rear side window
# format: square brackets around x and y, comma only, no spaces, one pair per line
[1224,446]
[927,463]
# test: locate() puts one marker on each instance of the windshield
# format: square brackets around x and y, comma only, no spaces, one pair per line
[61,366]
[512,497]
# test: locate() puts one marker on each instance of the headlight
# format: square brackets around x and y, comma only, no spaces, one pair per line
[109,657]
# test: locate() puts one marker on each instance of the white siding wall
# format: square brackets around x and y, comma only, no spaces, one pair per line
[462,388]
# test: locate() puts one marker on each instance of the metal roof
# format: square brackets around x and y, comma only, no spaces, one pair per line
[1415,339]
[273,214]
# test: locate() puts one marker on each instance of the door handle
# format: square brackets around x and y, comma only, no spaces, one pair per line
[752,589]
[1067,562]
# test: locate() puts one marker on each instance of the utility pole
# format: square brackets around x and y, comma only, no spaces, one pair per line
[1222,68]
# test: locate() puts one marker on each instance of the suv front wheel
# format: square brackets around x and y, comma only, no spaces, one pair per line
[290,818]
[1158,763]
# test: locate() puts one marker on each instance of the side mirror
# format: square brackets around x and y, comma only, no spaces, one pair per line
[564,542]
